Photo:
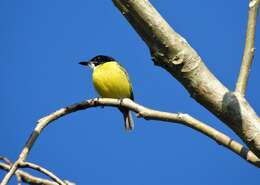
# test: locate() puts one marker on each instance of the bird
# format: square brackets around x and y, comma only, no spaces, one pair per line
[111,80]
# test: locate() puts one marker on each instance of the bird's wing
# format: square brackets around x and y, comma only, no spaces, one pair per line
[131,87]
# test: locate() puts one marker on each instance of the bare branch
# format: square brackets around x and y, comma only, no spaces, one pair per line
[26,177]
[6,160]
[249,47]
[142,111]
[19,179]
[173,53]
[42,170]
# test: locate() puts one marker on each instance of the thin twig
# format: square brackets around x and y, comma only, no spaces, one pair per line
[249,47]
[19,179]
[28,178]
[42,170]
[142,111]
[6,160]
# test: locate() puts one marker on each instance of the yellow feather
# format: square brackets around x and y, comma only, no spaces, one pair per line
[111,81]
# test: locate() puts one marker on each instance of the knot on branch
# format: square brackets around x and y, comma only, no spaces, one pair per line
[231,108]
[184,61]
[187,59]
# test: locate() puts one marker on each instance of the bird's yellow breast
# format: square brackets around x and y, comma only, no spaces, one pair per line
[111,81]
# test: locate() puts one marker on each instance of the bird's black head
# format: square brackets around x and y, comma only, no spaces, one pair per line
[102,59]
[97,60]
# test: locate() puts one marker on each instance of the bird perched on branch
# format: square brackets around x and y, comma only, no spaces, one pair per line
[111,80]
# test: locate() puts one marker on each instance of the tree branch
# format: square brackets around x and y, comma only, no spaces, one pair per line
[141,111]
[172,52]
[26,177]
[6,160]
[19,179]
[249,47]
[42,170]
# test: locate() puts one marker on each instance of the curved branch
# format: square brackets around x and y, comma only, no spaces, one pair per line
[249,47]
[42,170]
[26,177]
[173,53]
[141,111]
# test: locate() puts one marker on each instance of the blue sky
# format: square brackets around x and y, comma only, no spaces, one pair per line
[41,45]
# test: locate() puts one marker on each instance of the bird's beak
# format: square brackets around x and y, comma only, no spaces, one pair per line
[87,63]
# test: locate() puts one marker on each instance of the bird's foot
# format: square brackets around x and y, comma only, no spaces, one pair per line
[121,101]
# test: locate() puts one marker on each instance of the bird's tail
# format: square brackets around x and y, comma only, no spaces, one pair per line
[129,122]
